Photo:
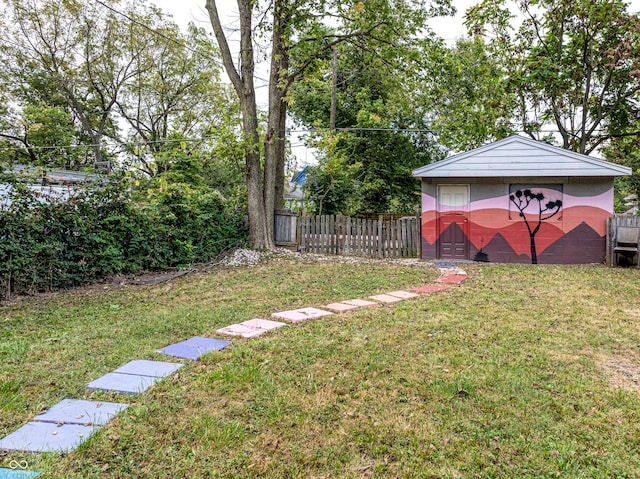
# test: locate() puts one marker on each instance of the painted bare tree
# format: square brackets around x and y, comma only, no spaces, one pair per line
[522,199]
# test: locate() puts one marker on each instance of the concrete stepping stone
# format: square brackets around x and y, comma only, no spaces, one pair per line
[194,347]
[446,265]
[265,324]
[47,437]
[430,288]
[341,307]
[74,411]
[361,303]
[241,330]
[457,279]
[297,315]
[17,473]
[251,328]
[155,369]
[403,294]
[386,298]
[123,383]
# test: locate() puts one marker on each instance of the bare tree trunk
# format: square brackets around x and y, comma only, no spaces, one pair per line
[260,217]
[276,121]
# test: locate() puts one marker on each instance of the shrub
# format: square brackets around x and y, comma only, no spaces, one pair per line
[49,243]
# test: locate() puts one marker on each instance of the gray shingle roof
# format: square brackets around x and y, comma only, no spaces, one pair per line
[518,156]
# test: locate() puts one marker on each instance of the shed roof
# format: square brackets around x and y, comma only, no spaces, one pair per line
[518,156]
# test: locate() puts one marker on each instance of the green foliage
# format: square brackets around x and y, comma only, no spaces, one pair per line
[467,90]
[108,229]
[571,65]
[382,128]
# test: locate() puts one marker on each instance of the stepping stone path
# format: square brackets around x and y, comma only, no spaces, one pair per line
[65,426]
[62,428]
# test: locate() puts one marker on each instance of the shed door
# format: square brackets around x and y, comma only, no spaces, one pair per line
[453,223]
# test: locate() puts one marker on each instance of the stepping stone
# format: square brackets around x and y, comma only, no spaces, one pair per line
[17,473]
[451,279]
[47,437]
[403,294]
[361,303]
[386,298]
[155,369]
[123,383]
[251,328]
[446,265]
[73,411]
[241,330]
[341,307]
[265,324]
[194,347]
[297,315]
[430,288]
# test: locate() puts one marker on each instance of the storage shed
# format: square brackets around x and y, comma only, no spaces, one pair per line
[517,201]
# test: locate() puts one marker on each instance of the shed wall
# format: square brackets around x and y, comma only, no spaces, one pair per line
[498,233]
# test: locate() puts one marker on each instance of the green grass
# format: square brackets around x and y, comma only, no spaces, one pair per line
[505,376]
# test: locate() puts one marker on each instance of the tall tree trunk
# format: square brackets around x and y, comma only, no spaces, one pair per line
[276,120]
[260,217]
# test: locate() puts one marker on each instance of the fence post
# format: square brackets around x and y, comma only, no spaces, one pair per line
[380,237]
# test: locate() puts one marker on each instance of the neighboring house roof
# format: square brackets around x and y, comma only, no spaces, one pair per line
[56,176]
[518,156]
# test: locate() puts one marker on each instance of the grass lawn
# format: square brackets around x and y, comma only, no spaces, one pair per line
[520,372]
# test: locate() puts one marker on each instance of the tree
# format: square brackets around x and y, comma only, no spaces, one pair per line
[572,65]
[467,91]
[174,89]
[383,129]
[522,199]
[392,20]
[120,76]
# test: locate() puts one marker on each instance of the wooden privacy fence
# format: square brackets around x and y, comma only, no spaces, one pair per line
[613,223]
[342,235]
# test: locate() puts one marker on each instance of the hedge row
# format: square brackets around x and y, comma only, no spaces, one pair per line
[106,230]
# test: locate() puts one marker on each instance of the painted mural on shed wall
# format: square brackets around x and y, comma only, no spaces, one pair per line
[524,223]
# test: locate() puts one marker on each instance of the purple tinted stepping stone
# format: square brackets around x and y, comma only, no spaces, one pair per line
[403,294]
[73,411]
[17,473]
[264,324]
[361,303]
[47,437]
[341,307]
[241,330]
[123,383]
[195,347]
[386,298]
[156,369]
[297,315]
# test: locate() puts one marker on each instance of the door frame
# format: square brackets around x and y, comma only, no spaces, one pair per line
[464,226]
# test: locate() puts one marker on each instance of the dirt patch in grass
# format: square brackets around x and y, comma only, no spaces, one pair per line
[622,370]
